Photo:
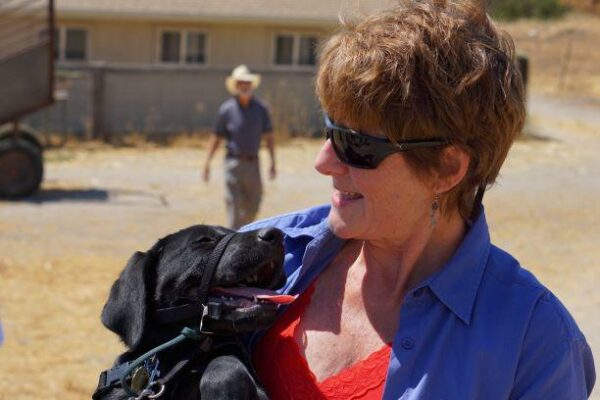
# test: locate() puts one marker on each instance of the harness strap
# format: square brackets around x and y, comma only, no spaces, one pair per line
[177,313]
[213,261]
[174,314]
[109,380]
[184,364]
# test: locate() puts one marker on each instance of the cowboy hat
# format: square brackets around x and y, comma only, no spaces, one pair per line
[241,73]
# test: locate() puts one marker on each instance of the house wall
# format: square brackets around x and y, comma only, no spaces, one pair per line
[137,42]
[231,45]
[122,87]
[122,42]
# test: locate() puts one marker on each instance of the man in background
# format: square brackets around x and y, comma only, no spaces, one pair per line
[243,120]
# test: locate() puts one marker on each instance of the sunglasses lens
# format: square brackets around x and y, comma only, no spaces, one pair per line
[355,150]
[365,151]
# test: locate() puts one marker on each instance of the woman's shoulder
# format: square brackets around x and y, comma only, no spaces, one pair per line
[542,332]
[551,343]
[521,289]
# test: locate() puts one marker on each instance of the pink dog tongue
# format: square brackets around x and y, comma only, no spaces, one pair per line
[250,293]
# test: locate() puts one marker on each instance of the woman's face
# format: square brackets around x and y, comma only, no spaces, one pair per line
[388,202]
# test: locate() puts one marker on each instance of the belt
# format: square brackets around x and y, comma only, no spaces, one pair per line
[243,157]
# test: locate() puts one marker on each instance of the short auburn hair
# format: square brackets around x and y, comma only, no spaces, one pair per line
[429,69]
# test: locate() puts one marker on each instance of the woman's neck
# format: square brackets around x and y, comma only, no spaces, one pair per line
[395,267]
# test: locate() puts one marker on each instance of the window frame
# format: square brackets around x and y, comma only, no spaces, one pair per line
[61,32]
[183,33]
[295,50]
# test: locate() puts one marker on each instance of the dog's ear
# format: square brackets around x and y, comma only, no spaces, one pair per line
[125,312]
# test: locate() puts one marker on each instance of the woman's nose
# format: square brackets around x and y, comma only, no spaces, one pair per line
[327,162]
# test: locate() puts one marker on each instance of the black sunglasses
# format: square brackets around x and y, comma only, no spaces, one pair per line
[361,150]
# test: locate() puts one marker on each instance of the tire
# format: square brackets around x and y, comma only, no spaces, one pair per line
[21,167]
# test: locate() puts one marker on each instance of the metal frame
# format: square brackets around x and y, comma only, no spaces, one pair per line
[50,95]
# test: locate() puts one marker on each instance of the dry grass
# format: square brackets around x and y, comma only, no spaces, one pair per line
[590,6]
[564,54]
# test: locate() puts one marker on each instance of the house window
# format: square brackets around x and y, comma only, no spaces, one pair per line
[195,48]
[170,47]
[70,44]
[295,49]
[75,44]
[284,50]
[187,47]
[307,54]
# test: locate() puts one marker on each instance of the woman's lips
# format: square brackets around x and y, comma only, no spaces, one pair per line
[341,198]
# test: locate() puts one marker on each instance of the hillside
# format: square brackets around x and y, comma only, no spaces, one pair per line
[564,54]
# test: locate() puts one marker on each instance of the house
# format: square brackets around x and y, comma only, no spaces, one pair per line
[158,66]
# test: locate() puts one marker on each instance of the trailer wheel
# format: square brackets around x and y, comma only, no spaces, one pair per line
[21,167]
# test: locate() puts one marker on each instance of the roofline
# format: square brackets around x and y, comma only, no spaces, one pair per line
[102,15]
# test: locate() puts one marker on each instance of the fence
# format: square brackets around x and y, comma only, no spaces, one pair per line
[102,101]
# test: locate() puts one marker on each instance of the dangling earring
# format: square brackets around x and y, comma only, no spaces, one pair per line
[434,210]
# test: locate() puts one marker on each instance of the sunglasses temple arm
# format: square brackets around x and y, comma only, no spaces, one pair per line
[431,143]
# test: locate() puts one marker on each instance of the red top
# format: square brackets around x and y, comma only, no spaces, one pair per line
[285,375]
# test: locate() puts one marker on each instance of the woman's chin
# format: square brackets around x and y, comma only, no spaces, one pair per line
[342,227]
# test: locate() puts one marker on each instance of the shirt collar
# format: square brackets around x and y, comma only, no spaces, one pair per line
[313,232]
[311,223]
[456,284]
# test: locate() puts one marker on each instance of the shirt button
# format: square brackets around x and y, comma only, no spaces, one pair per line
[407,343]
[418,292]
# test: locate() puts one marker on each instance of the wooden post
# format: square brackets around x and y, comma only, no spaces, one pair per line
[564,69]
[98,121]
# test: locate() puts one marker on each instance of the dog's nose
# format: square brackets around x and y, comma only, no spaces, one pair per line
[270,235]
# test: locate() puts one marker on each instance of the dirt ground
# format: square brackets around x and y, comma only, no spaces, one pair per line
[61,250]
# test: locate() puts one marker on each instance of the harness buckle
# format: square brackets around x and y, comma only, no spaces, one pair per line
[202,316]
[213,311]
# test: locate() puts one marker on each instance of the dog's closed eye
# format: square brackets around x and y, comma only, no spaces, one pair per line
[203,240]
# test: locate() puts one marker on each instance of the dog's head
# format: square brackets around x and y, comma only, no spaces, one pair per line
[169,275]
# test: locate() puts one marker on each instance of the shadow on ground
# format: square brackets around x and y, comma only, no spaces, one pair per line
[115,196]
[76,195]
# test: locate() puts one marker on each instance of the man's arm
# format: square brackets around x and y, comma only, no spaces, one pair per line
[270,139]
[213,145]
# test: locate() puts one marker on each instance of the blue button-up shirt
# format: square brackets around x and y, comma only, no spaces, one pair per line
[480,328]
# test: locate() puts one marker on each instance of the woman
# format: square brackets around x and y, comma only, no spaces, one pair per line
[402,294]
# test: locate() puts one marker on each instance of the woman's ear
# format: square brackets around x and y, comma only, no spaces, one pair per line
[454,164]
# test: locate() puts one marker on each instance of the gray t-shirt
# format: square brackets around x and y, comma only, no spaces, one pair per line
[243,126]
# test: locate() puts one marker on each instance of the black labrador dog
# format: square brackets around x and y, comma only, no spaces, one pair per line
[156,296]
